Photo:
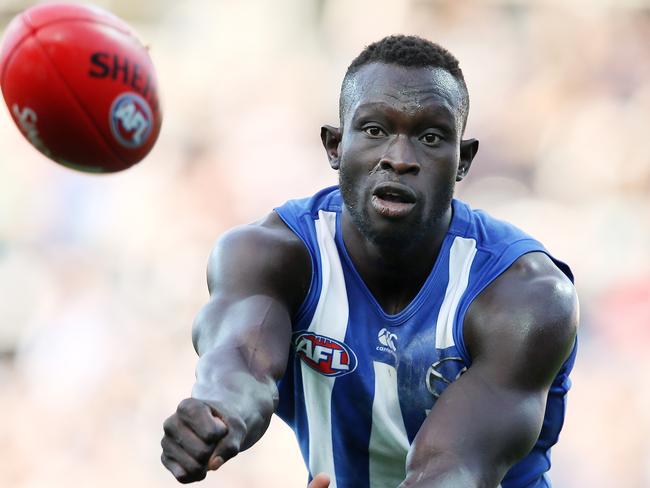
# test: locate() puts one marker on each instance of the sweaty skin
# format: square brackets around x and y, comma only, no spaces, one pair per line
[399,152]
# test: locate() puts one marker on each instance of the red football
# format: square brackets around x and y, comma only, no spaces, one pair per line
[80,86]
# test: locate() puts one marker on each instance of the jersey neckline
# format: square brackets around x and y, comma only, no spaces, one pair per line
[456,225]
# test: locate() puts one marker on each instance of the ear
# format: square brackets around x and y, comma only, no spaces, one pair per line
[331,137]
[468,149]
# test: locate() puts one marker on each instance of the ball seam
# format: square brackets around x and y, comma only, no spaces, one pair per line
[11,54]
[79,19]
[33,30]
[74,96]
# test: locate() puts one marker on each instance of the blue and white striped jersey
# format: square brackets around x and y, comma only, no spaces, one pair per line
[359,382]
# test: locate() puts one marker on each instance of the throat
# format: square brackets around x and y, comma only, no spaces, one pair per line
[394,278]
[394,274]
[394,291]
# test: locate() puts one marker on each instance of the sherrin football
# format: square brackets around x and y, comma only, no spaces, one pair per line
[80,86]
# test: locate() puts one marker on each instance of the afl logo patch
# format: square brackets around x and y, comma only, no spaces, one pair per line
[130,119]
[327,356]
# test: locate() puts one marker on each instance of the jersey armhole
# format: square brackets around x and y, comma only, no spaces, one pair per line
[309,303]
[509,255]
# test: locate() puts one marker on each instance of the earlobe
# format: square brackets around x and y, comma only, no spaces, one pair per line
[331,138]
[468,149]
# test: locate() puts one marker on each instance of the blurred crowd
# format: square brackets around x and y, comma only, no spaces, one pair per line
[100,276]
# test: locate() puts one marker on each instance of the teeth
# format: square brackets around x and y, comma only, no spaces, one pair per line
[393,196]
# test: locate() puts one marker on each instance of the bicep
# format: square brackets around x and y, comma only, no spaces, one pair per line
[254,279]
[478,426]
[520,331]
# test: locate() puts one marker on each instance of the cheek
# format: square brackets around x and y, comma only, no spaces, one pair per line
[358,151]
[448,161]
[352,164]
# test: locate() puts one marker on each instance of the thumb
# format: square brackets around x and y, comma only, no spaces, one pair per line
[321,480]
[215,462]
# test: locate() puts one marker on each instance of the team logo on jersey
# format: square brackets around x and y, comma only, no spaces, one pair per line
[131,120]
[387,340]
[443,373]
[325,355]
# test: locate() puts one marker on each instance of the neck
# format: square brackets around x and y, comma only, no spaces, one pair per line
[394,273]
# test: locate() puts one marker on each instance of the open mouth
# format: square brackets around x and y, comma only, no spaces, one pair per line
[393,200]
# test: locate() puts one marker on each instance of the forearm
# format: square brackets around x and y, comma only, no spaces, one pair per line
[224,379]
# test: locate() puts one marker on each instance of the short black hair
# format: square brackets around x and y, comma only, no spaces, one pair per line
[410,52]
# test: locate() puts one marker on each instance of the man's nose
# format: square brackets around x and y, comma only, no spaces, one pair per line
[400,157]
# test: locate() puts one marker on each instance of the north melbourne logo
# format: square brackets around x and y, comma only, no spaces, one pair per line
[387,340]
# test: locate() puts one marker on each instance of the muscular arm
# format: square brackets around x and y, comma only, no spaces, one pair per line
[519,332]
[257,276]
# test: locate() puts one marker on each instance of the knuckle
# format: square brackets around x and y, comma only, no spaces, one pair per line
[164,443]
[183,468]
[212,436]
[201,454]
[169,425]
[191,477]
[193,468]
[187,406]
[172,466]
[194,473]
[229,449]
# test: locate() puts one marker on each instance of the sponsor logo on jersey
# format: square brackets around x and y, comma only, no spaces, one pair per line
[325,355]
[387,340]
[442,373]
[130,120]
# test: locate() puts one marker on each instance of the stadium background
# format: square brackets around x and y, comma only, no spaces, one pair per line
[100,277]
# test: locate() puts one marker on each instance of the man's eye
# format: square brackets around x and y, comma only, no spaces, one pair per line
[373,131]
[430,139]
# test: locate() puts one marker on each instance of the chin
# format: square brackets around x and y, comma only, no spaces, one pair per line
[400,233]
[391,233]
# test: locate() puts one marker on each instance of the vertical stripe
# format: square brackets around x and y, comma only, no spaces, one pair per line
[330,319]
[461,256]
[389,443]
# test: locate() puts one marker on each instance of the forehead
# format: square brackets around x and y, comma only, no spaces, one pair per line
[407,89]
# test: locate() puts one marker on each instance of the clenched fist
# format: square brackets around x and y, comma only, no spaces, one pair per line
[199,437]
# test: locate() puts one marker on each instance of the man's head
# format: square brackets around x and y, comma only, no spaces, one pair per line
[408,52]
[399,151]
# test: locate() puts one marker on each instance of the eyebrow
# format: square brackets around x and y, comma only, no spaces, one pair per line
[441,112]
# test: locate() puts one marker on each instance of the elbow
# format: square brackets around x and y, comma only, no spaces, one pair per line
[442,469]
[452,469]
[204,327]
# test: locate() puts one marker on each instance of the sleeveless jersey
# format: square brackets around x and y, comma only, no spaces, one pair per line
[359,382]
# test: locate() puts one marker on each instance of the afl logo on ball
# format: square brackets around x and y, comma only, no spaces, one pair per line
[130,120]
[327,356]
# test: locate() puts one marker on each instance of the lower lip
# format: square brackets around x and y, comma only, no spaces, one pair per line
[389,208]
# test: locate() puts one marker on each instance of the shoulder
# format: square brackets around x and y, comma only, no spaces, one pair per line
[328,200]
[480,223]
[262,257]
[526,320]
